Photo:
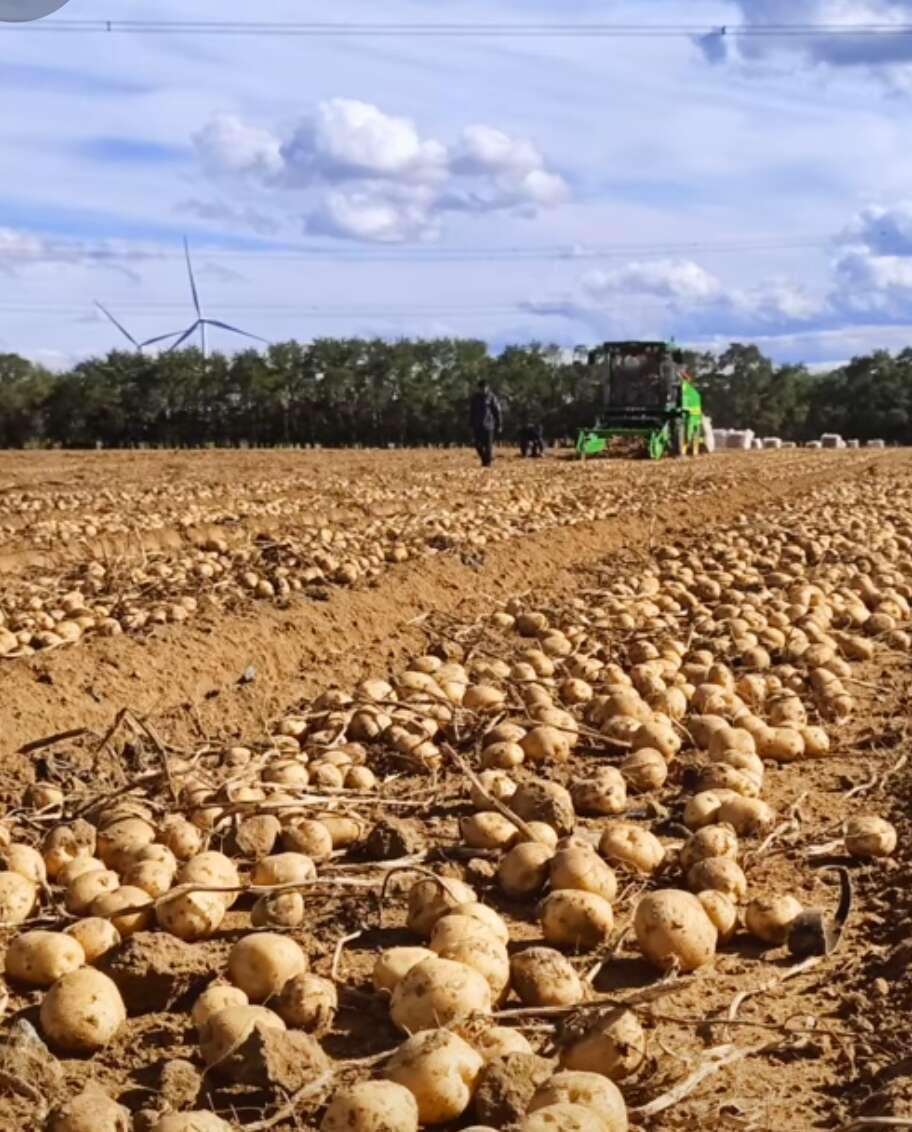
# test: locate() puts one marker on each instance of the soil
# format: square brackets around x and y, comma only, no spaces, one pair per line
[831,1044]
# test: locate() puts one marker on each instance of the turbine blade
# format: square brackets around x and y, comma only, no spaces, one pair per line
[123,330]
[196,301]
[183,338]
[161,338]
[233,329]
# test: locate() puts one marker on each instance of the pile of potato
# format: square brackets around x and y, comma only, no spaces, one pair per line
[720,659]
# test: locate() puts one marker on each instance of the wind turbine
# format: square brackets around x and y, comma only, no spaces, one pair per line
[140,346]
[202,322]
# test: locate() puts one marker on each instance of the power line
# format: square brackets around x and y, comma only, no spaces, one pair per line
[455,30]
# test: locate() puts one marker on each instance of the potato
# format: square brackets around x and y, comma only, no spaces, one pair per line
[645,770]
[726,739]
[96,936]
[27,862]
[119,841]
[457,928]
[82,893]
[614,1047]
[222,1033]
[114,906]
[345,831]
[214,998]
[65,843]
[722,911]
[75,868]
[631,847]
[591,1090]
[543,977]
[153,877]
[18,897]
[769,918]
[746,815]
[92,1111]
[710,841]
[703,808]
[191,916]
[673,930]
[262,964]
[440,1070]
[721,776]
[283,868]
[438,992]
[40,958]
[372,1106]
[546,744]
[308,1002]
[604,791]
[868,836]
[484,954]
[540,833]
[545,801]
[278,910]
[182,837]
[82,1011]
[524,870]
[656,736]
[576,919]
[212,870]
[201,1121]
[497,783]
[487,916]
[719,874]
[395,963]
[488,830]
[816,741]
[502,756]
[580,867]
[310,838]
[428,900]
[563,1118]
[493,1042]
[782,745]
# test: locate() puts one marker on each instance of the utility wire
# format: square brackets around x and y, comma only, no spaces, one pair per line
[456,30]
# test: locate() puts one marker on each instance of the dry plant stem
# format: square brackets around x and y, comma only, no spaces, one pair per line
[771,984]
[307,1092]
[337,954]
[667,986]
[50,740]
[489,799]
[877,1122]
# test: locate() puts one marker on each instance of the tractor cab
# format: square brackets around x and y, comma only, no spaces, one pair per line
[646,393]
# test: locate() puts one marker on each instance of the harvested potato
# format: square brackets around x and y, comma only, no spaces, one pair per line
[40,958]
[223,1032]
[673,930]
[657,736]
[769,918]
[372,1106]
[703,808]
[487,830]
[563,1118]
[394,964]
[868,836]
[216,998]
[182,837]
[82,1011]
[129,909]
[211,870]
[548,802]
[594,1091]
[457,928]
[722,911]
[308,1002]
[614,1047]
[721,874]
[278,910]
[191,916]
[523,871]
[745,815]
[577,920]
[96,936]
[496,783]
[543,977]
[309,838]
[629,846]
[428,900]
[201,1121]
[261,964]
[438,992]
[604,791]
[18,897]
[440,1070]
[153,877]
[710,841]
[283,868]
[92,1111]
[27,862]
[580,867]
[493,1042]
[645,770]
[492,920]
[75,868]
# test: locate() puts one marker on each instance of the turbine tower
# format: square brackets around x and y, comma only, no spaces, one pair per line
[202,323]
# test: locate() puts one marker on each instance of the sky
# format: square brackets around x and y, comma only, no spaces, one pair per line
[703,185]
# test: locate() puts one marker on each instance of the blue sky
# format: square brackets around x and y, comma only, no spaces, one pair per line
[556,189]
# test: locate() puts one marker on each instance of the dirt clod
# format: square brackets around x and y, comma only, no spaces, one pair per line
[506,1086]
[154,970]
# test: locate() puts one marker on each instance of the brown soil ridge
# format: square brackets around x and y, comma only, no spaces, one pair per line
[313,644]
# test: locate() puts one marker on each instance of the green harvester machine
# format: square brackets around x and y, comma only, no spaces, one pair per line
[648,394]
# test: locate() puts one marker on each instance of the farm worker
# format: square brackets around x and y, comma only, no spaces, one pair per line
[532,441]
[484,416]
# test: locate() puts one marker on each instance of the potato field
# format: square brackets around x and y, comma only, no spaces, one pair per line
[372,791]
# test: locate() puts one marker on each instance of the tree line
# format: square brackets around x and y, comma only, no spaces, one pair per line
[339,392]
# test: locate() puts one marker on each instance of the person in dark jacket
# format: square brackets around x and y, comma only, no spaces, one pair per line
[532,440]
[484,416]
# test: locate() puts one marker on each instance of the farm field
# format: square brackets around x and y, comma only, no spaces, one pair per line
[349,698]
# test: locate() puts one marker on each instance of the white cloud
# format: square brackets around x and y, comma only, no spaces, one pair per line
[885,230]
[681,280]
[228,144]
[381,179]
